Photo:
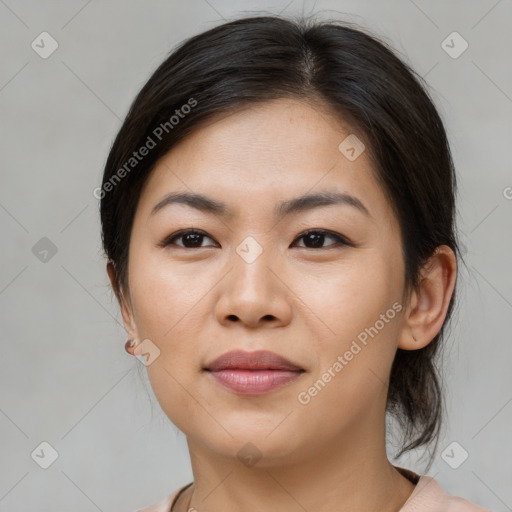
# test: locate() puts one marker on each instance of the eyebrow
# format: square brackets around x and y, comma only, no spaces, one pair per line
[299,204]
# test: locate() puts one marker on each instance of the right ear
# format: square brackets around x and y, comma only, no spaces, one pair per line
[126,310]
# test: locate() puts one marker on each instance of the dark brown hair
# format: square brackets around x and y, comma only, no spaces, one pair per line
[361,80]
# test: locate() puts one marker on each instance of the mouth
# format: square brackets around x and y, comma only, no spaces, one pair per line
[253,373]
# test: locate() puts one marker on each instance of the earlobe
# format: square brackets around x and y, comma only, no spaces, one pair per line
[429,303]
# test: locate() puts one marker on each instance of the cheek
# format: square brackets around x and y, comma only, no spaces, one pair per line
[350,298]
[165,295]
[357,317]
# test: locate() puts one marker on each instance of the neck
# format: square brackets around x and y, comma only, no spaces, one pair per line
[342,476]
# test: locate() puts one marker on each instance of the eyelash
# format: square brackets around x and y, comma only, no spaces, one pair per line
[340,240]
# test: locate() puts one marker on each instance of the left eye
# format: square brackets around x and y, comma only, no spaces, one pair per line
[316,237]
[191,239]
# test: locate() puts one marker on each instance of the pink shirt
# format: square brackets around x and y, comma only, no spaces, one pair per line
[428,496]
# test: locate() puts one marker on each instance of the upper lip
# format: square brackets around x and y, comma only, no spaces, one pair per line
[257,360]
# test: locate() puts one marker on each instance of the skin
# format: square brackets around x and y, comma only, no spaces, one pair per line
[304,302]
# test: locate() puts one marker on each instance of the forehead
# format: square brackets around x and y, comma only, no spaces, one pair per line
[265,153]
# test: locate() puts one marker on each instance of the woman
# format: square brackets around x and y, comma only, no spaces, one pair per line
[279,356]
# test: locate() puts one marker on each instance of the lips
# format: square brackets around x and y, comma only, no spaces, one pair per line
[258,360]
[253,373]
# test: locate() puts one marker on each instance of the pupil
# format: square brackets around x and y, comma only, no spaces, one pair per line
[315,238]
[194,238]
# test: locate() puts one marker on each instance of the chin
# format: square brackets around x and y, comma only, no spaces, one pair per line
[252,445]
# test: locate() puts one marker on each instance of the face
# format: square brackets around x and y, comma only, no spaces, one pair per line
[318,283]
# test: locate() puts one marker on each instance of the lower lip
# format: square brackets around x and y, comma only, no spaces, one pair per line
[254,382]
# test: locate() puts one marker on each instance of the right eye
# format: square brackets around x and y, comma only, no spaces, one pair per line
[191,238]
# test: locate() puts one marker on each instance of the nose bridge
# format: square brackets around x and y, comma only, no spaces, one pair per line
[251,260]
[252,291]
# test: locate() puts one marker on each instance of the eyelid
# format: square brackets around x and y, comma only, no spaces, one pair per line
[180,233]
[340,239]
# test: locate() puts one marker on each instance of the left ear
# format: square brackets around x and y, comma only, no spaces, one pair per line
[429,303]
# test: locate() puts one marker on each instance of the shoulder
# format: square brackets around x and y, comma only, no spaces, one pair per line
[429,496]
[165,504]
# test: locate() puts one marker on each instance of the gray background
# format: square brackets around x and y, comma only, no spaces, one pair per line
[65,378]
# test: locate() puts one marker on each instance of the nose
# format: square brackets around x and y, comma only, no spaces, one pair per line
[254,293]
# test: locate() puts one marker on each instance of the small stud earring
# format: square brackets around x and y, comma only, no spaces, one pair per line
[128,345]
